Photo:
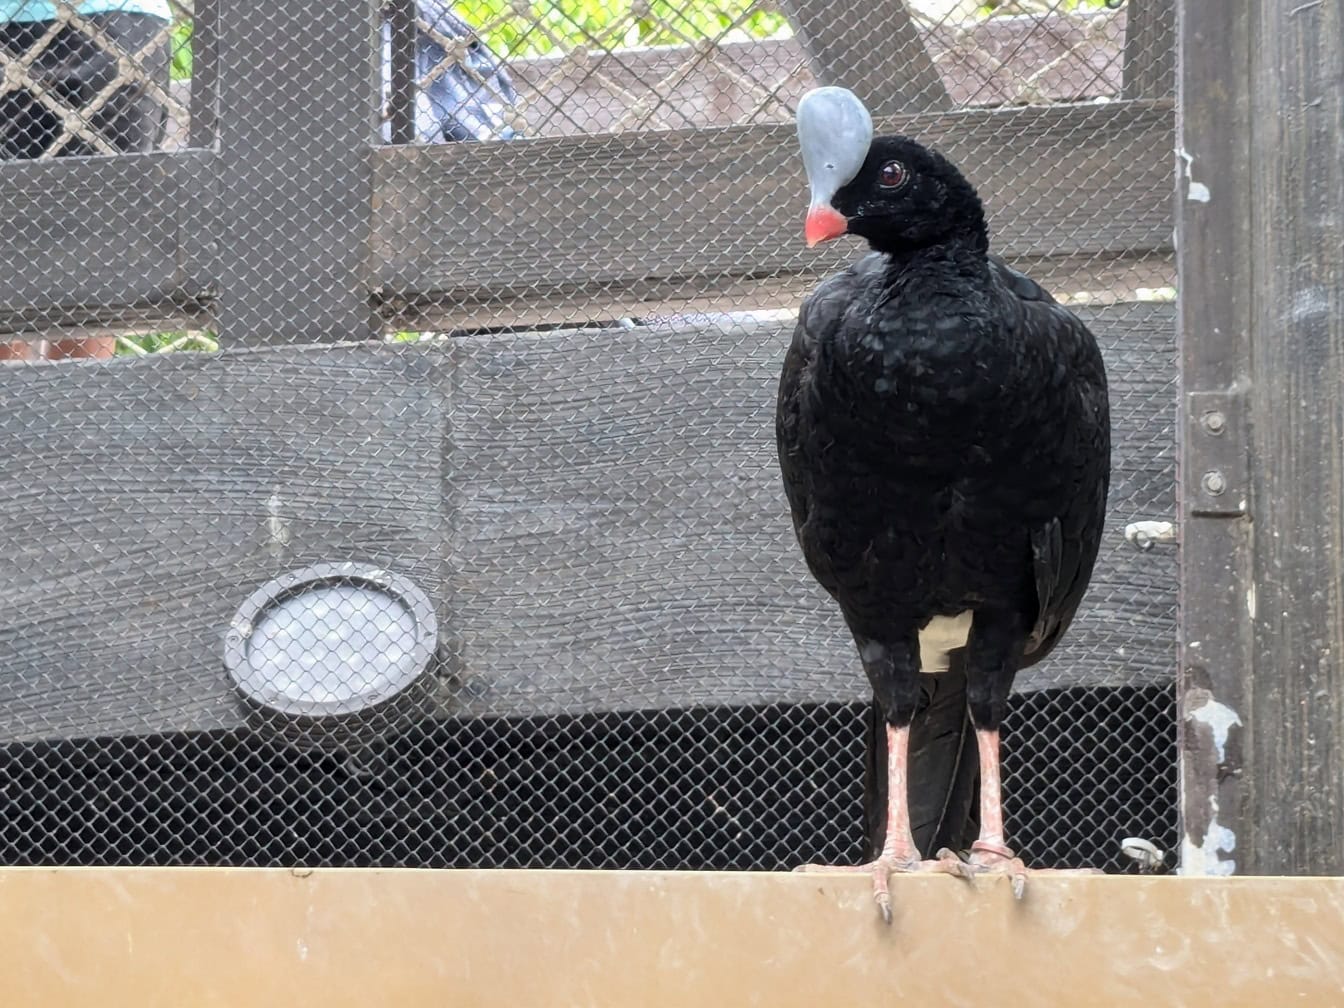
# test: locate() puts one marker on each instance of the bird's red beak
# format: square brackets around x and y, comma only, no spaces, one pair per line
[824,223]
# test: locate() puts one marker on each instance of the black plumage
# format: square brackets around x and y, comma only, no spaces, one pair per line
[944,438]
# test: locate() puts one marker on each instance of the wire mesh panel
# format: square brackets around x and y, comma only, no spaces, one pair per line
[494,297]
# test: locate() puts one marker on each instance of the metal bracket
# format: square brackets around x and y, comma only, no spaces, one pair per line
[1149,532]
[1216,464]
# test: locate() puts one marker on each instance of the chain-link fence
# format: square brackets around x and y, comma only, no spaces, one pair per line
[502,291]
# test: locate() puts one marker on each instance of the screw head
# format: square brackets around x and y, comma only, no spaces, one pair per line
[1215,421]
[1214,482]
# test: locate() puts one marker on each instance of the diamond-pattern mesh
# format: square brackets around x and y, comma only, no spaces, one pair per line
[493,298]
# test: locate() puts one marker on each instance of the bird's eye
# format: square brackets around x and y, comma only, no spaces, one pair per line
[891,175]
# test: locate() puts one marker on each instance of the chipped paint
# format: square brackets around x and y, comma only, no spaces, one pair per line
[1310,304]
[1220,718]
[1196,191]
[277,533]
[1207,844]
[1210,856]
[1250,600]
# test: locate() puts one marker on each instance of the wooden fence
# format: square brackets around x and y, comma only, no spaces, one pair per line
[440,458]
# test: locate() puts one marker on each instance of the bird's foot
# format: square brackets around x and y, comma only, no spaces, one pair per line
[892,862]
[988,858]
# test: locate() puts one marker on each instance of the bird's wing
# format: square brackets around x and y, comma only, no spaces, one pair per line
[1064,548]
[819,320]
[943,764]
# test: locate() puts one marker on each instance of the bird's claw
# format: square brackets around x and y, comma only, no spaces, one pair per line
[995,859]
[891,863]
[884,906]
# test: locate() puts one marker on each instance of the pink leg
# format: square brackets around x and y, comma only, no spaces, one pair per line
[990,854]
[899,853]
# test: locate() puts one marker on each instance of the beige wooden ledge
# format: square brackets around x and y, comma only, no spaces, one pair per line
[189,937]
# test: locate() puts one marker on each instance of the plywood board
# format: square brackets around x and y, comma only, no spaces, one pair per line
[597,514]
[334,937]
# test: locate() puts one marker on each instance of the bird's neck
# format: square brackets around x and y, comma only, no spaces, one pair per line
[914,267]
[968,235]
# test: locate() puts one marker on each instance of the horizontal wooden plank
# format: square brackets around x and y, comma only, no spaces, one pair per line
[1100,280]
[88,241]
[144,937]
[146,498]
[474,223]
[457,233]
[621,538]
[603,528]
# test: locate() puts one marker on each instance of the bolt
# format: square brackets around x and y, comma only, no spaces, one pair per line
[1214,482]
[1215,422]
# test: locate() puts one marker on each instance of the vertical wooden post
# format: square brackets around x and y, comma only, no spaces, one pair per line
[1150,49]
[399,17]
[874,49]
[1260,222]
[297,115]
[204,98]
[1213,262]
[1297,412]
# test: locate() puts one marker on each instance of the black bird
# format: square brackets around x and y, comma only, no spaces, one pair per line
[944,437]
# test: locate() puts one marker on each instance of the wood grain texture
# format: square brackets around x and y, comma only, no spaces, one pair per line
[1214,264]
[658,561]
[603,528]
[1111,279]
[1150,49]
[137,517]
[456,229]
[1296,278]
[291,226]
[874,50]
[462,224]
[84,234]
[124,937]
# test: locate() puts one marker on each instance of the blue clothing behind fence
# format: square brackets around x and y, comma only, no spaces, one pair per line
[41,10]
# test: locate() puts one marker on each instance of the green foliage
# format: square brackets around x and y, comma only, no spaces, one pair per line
[180,41]
[549,25]
[992,7]
[165,342]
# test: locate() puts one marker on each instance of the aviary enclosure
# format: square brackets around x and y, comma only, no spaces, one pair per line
[526,370]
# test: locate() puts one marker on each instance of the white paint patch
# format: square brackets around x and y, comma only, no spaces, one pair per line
[1309,304]
[303,950]
[1220,718]
[276,530]
[1196,191]
[943,634]
[1250,600]
[1207,856]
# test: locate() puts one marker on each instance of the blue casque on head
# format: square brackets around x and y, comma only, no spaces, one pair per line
[834,132]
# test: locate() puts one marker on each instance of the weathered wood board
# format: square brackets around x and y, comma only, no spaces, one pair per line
[145,498]
[162,938]
[460,223]
[662,545]
[91,240]
[137,240]
[894,76]
[597,512]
